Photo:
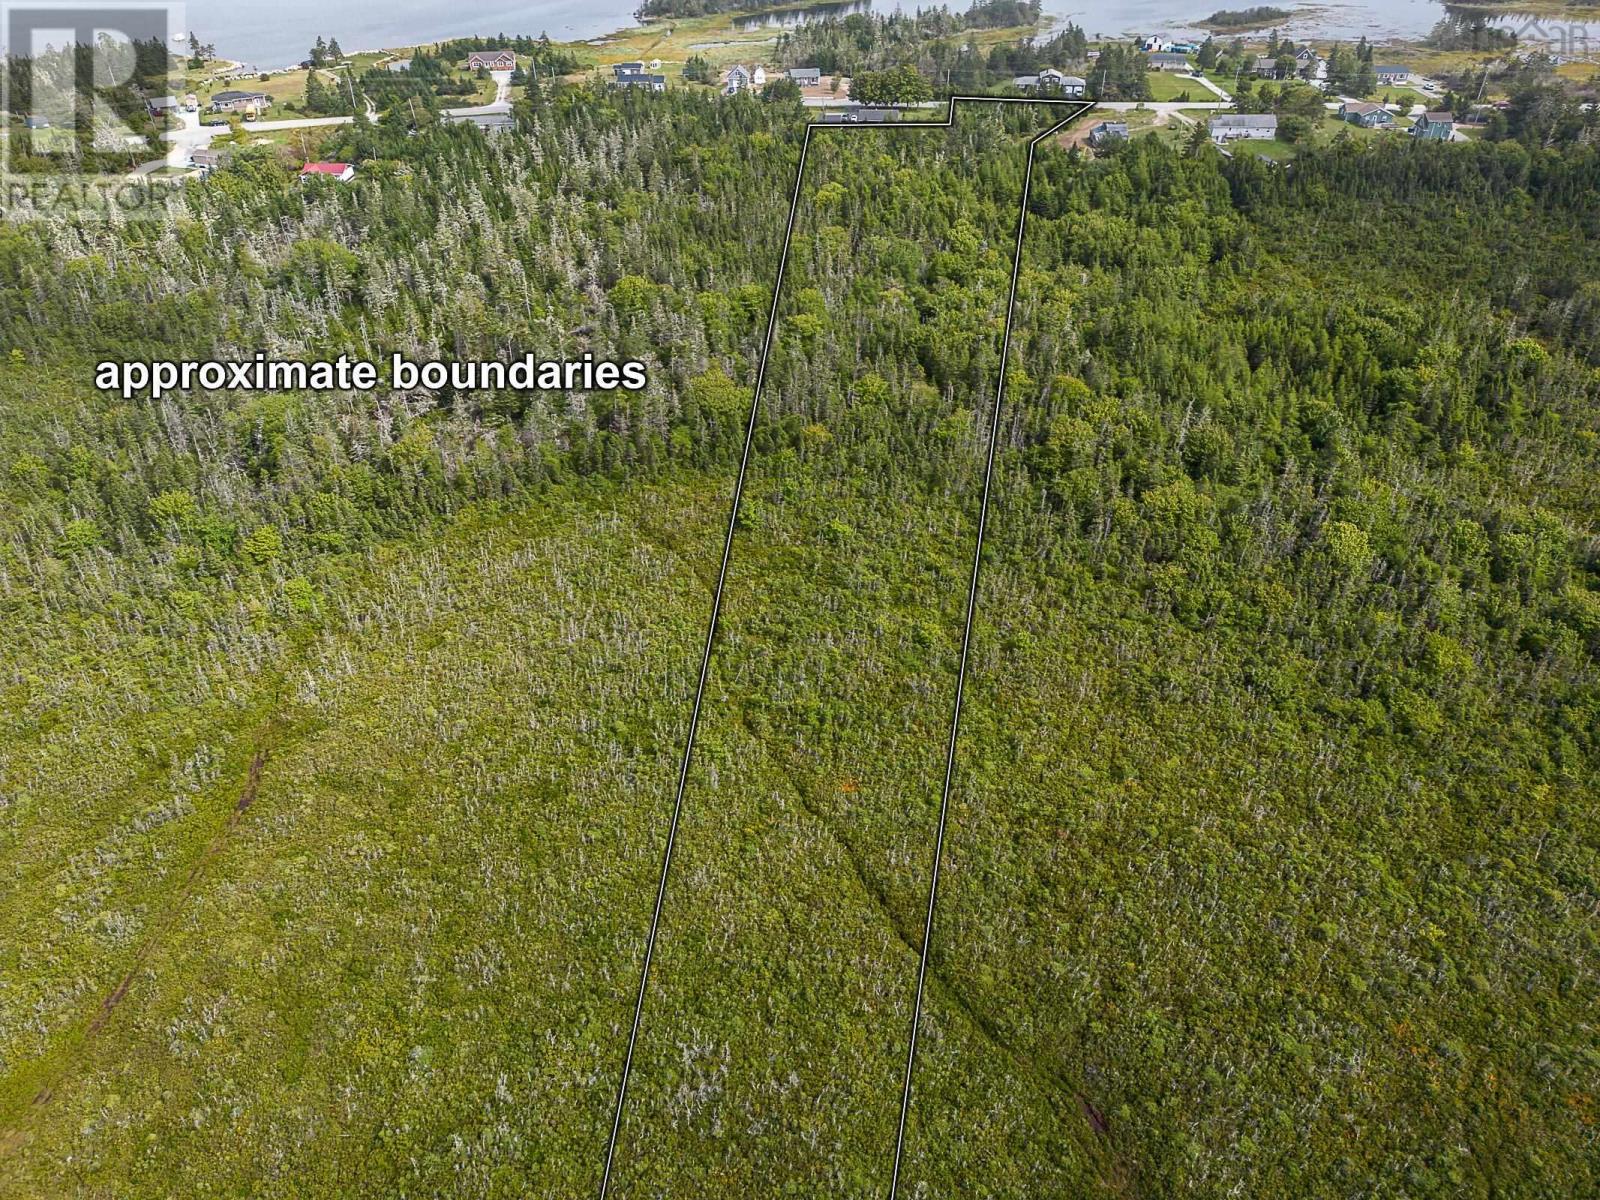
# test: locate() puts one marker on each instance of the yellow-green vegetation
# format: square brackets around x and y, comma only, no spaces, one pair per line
[675,41]
[338,734]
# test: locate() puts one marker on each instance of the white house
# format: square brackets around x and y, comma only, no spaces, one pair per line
[1232,126]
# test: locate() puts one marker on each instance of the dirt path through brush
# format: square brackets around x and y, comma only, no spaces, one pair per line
[12,1138]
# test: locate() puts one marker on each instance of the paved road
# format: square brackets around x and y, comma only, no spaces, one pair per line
[1173,107]
[301,123]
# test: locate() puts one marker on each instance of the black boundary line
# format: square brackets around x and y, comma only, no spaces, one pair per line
[1081,108]
[966,648]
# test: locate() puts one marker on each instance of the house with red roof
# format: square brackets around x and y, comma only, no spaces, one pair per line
[343,172]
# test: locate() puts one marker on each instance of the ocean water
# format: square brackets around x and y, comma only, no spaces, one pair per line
[280,34]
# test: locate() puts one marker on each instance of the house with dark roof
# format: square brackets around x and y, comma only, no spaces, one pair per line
[1366,114]
[806,76]
[627,68]
[162,105]
[1435,127]
[1108,131]
[638,79]
[1168,61]
[1054,82]
[1390,76]
[860,114]
[492,60]
[240,102]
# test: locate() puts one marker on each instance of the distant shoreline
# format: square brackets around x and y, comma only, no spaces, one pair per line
[1551,10]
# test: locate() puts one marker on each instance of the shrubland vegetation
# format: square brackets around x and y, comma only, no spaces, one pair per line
[338,733]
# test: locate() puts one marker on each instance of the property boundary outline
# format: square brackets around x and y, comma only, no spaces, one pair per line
[1080,108]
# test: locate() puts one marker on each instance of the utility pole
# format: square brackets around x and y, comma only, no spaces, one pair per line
[349,83]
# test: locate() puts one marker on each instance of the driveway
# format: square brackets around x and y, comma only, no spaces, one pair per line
[1209,86]
[499,106]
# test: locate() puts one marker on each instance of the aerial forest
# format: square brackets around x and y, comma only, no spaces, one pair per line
[339,731]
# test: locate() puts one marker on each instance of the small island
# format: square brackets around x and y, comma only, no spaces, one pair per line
[1246,18]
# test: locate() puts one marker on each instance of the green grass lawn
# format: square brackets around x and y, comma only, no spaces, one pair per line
[1275,150]
[1168,85]
[1331,126]
[1406,95]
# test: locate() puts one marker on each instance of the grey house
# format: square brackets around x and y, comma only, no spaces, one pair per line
[806,76]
